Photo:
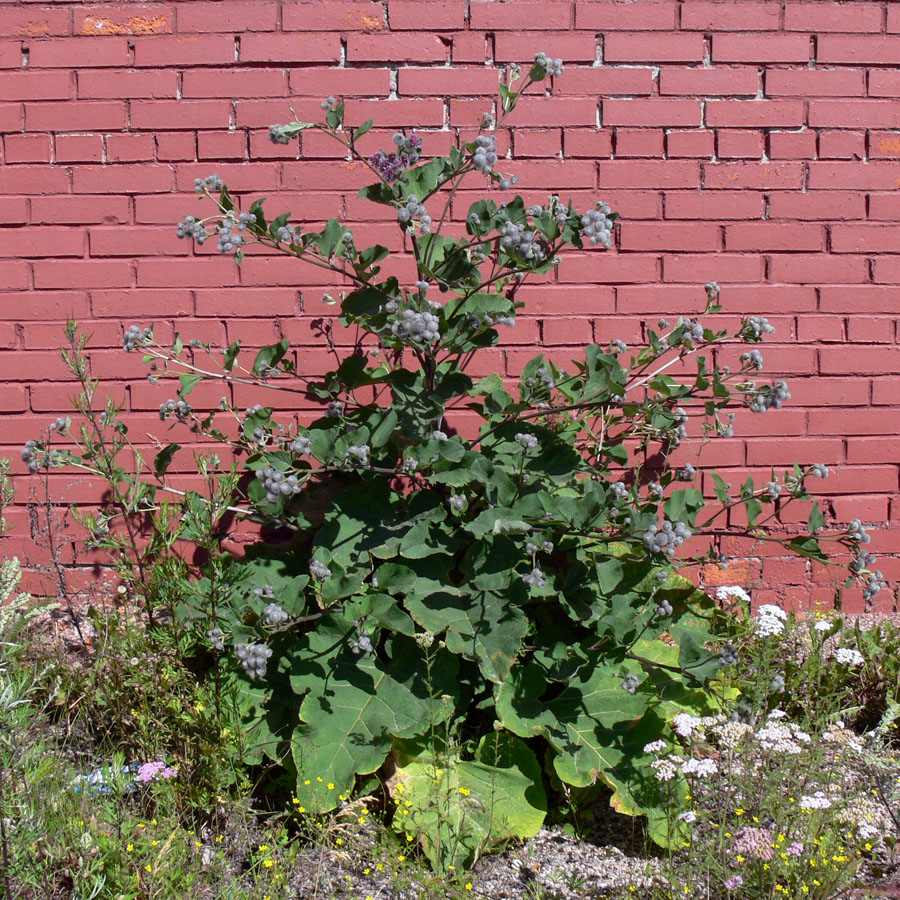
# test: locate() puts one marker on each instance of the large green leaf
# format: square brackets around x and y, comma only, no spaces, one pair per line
[352,708]
[457,808]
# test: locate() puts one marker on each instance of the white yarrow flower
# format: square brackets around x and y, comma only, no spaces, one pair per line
[818,800]
[654,746]
[732,590]
[822,625]
[848,656]
[770,620]
[702,768]
[685,724]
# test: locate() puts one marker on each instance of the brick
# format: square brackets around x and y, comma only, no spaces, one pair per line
[875,330]
[33,180]
[594,144]
[220,145]
[852,175]
[421,82]
[132,19]
[638,142]
[887,271]
[14,211]
[884,82]
[865,238]
[122,179]
[651,112]
[26,148]
[839,391]
[860,299]
[488,15]
[818,205]
[34,85]
[806,269]
[840,114]
[568,111]
[695,144]
[227,16]
[698,269]
[713,205]
[842,144]
[538,143]
[746,16]
[334,16]
[706,82]
[83,115]
[850,421]
[756,176]
[166,115]
[632,48]
[79,53]
[656,15]
[768,49]
[775,236]
[414,15]
[34,23]
[129,148]
[169,273]
[185,50]
[648,174]
[51,273]
[739,144]
[128,84]
[322,81]
[852,50]
[606,81]
[79,148]
[396,48]
[573,48]
[42,242]
[884,207]
[871,450]
[669,236]
[136,241]
[824,17]
[755,113]
[815,82]
[69,210]
[13,276]
[231,83]
[791,144]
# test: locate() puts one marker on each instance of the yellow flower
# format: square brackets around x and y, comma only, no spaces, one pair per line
[739,812]
[295,801]
[154,822]
[269,863]
[766,866]
[154,843]
[129,847]
[307,782]
[402,857]
[361,820]
[741,858]
[805,888]
[756,818]
[380,867]
[301,809]
[465,791]
[330,785]
[263,847]
[339,841]
[319,779]
[220,838]
[148,867]
[410,838]
[142,825]
[468,885]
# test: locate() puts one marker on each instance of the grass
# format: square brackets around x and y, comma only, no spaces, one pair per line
[223,827]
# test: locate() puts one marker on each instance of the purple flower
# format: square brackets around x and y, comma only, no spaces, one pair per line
[157,769]
[734,882]
[795,849]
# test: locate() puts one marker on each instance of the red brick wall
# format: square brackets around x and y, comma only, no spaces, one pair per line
[751,143]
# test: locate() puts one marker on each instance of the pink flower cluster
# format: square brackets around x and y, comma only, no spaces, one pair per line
[157,769]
